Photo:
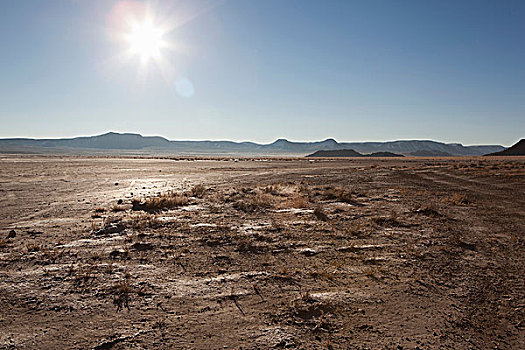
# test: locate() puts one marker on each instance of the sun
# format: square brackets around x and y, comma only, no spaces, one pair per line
[146,40]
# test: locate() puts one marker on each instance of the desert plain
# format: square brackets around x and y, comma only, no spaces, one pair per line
[222,253]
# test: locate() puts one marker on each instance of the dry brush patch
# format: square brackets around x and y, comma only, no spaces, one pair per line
[166,201]
[457,199]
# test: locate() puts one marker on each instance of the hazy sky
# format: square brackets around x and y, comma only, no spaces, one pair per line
[451,71]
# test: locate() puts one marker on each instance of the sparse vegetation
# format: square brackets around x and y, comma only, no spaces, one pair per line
[169,200]
[33,247]
[338,194]
[122,293]
[320,214]
[282,248]
[458,199]
[198,191]
[253,203]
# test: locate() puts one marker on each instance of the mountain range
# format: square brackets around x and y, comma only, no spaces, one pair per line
[127,143]
[351,153]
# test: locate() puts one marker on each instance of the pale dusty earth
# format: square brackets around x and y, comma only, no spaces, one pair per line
[268,253]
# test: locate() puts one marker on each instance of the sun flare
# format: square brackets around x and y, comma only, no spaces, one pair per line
[146,40]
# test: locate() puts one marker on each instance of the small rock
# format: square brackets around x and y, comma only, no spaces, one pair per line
[11,234]
[120,201]
[109,229]
[309,251]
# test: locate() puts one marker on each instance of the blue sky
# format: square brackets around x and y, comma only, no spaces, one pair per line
[451,71]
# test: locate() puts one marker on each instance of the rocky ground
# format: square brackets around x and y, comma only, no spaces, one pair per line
[109,253]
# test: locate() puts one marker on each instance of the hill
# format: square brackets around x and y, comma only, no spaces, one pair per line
[129,143]
[351,153]
[336,153]
[517,149]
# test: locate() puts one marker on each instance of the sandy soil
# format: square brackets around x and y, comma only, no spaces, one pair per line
[333,254]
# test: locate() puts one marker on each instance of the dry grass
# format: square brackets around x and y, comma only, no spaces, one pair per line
[33,247]
[273,190]
[122,290]
[458,199]
[143,220]
[297,201]
[253,203]
[165,201]
[198,191]
[320,214]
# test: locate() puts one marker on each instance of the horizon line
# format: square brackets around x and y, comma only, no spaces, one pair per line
[248,141]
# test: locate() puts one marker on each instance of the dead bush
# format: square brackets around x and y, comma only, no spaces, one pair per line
[273,190]
[458,199]
[338,194]
[300,202]
[320,214]
[165,201]
[143,220]
[258,202]
[122,290]
[198,191]
[33,247]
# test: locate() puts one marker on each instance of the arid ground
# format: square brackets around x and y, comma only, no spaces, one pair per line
[123,253]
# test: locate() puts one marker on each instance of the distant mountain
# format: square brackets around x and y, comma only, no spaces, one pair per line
[383,154]
[112,142]
[517,149]
[429,153]
[351,153]
[336,153]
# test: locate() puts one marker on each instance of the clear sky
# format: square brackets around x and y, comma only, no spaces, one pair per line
[370,70]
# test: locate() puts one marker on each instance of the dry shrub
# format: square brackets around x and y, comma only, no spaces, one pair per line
[303,188]
[122,292]
[372,272]
[458,199]
[165,201]
[198,191]
[300,202]
[258,202]
[33,247]
[143,220]
[273,190]
[297,201]
[338,194]
[320,214]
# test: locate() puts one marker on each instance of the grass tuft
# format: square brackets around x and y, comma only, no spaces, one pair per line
[165,201]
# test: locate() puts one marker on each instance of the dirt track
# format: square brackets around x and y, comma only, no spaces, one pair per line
[342,254]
